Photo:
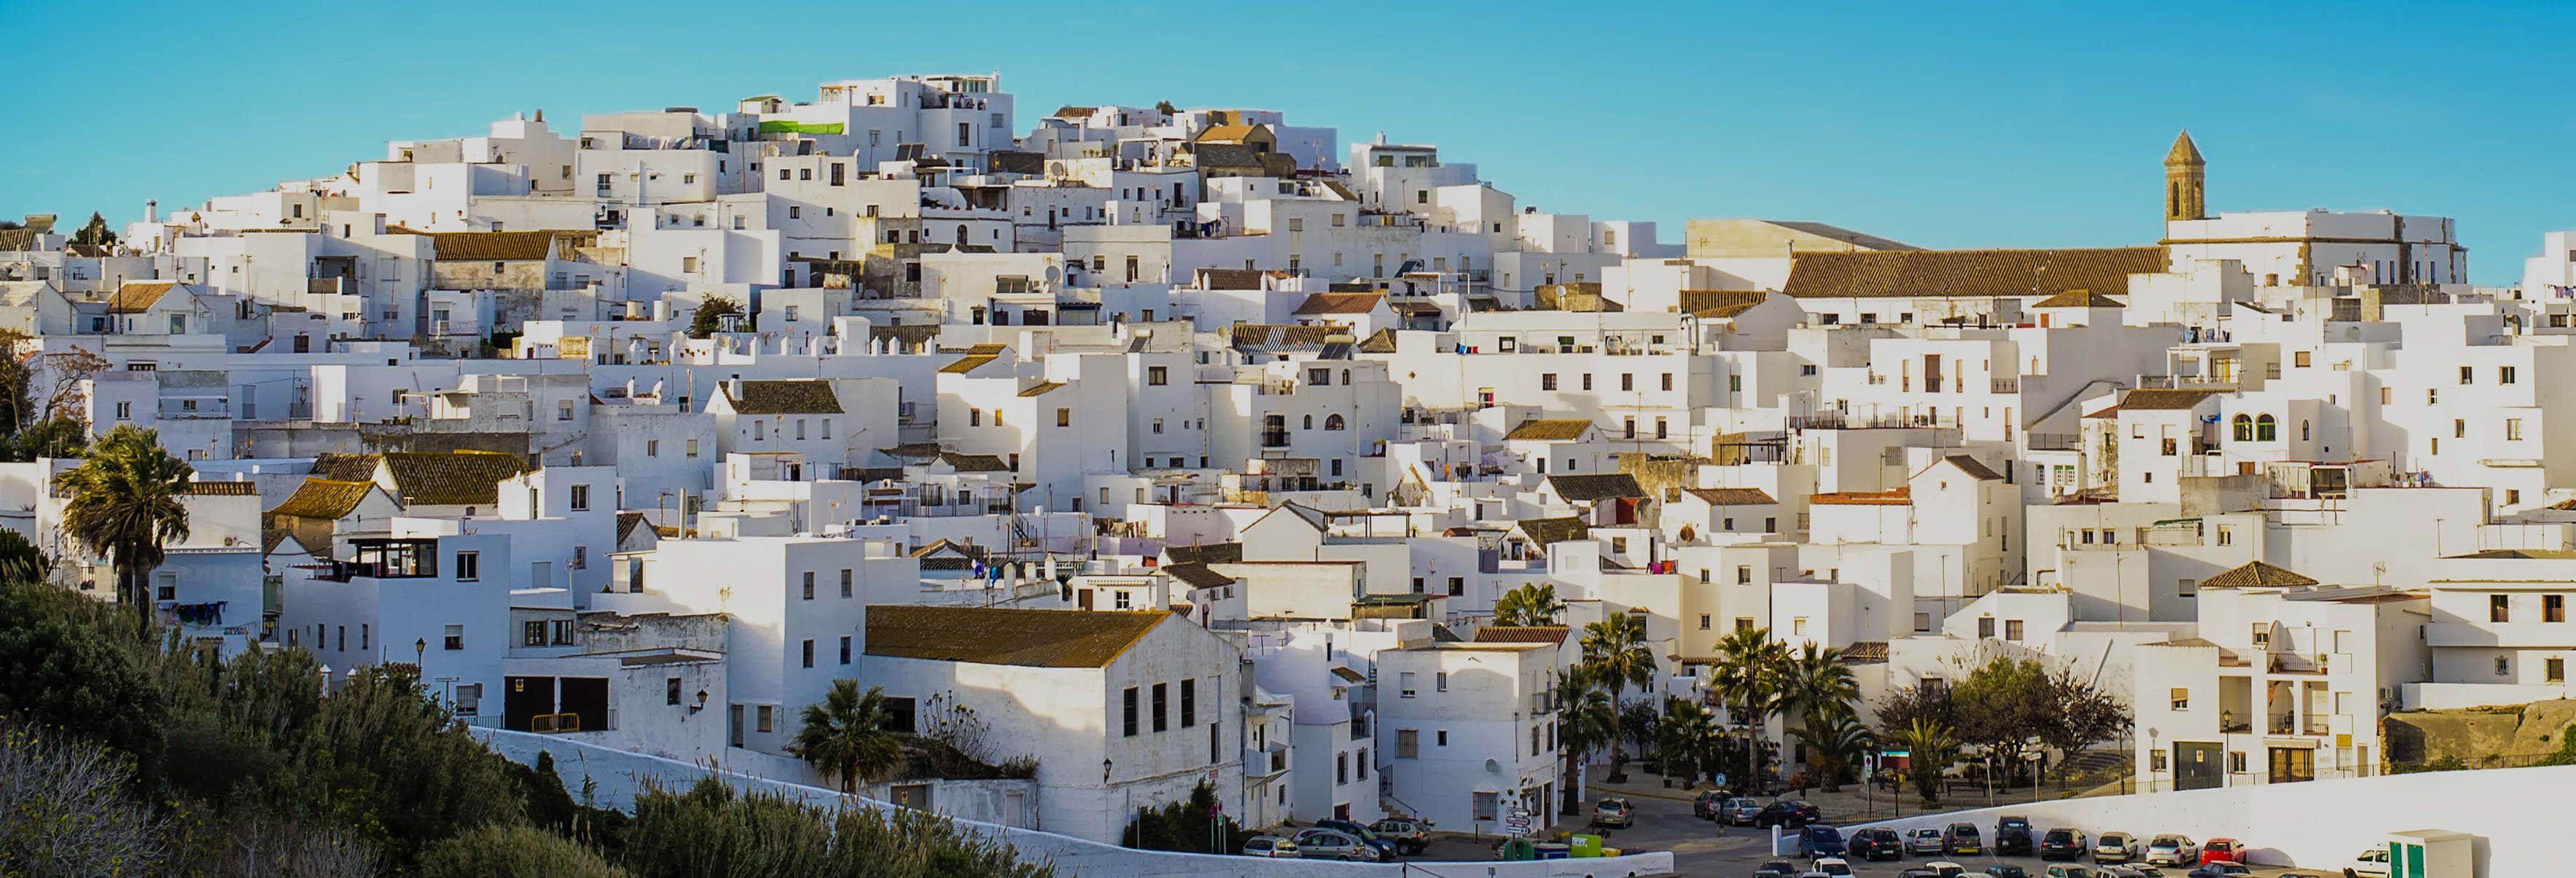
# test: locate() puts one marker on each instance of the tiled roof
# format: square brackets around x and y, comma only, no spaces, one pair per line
[1548,430]
[137,296]
[627,522]
[1719,303]
[1205,553]
[1546,531]
[1196,575]
[346,467]
[1339,303]
[493,246]
[1041,388]
[1278,336]
[958,556]
[2078,299]
[975,358]
[2256,575]
[1004,636]
[913,450]
[1898,497]
[323,499]
[1227,133]
[1866,652]
[458,478]
[219,489]
[1975,469]
[1379,342]
[975,463]
[1981,273]
[1230,278]
[1596,487]
[1521,634]
[1074,112]
[805,397]
[24,236]
[2162,400]
[2184,152]
[1732,496]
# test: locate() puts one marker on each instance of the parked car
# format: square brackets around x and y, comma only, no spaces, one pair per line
[2116,847]
[2006,870]
[2222,850]
[1614,814]
[1946,869]
[1822,841]
[1776,869]
[1924,841]
[2220,870]
[1739,811]
[2172,850]
[1706,805]
[1788,813]
[1961,840]
[1878,844]
[2372,862]
[1327,844]
[2133,870]
[2063,843]
[1833,866]
[1386,849]
[2065,870]
[1269,846]
[2013,837]
[1410,834]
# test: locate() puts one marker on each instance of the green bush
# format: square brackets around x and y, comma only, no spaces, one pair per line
[710,832]
[513,852]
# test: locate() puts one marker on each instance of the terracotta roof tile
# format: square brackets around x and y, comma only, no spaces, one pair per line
[1004,636]
[1548,430]
[805,397]
[2256,575]
[1339,303]
[1732,496]
[1521,634]
[1981,273]
[2162,400]
[323,499]
[1595,487]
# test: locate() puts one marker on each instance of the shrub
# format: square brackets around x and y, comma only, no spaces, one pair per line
[64,809]
[513,852]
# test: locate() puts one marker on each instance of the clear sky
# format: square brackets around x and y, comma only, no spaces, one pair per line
[1942,125]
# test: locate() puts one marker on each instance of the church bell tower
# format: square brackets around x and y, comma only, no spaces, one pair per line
[2186,181]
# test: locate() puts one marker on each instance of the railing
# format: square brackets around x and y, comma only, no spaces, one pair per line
[553,723]
[2007,385]
[1274,438]
[2055,441]
[1839,421]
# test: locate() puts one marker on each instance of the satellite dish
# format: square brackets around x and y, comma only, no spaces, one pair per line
[1493,766]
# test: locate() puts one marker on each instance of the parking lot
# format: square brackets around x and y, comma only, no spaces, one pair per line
[1701,847]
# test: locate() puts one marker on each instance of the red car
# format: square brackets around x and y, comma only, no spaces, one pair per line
[2222,850]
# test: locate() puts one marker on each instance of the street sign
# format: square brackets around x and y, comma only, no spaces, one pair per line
[1896,753]
[1721,779]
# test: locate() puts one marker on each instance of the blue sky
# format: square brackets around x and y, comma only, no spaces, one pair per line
[2003,125]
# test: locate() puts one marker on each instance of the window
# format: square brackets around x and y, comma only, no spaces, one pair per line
[845,582]
[2553,608]
[1440,681]
[1406,682]
[2012,629]
[2299,359]
[809,653]
[1668,381]
[1360,761]
[1440,738]
[2497,609]
[1627,381]
[1341,768]
[2226,535]
[670,690]
[533,633]
[693,444]
[1985,627]
[1128,705]
[1156,376]
[1408,744]
[581,498]
[1547,381]
[1162,695]
[2264,427]
[1704,622]
[1744,574]
[809,585]
[845,650]
[767,716]
[2468,374]
[2503,666]
[1457,585]
[1189,703]
[2553,670]
[2504,374]
[1064,417]
[453,637]
[2243,428]
[2181,698]
[468,566]
[1743,623]
[2513,429]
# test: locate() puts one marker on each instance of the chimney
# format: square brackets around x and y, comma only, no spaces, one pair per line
[152,211]
[733,388]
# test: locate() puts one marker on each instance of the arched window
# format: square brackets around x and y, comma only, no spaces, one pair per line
[2244,428]
[1310,423]
[961,233]
[2264,429]
[1332,422]
[2303,431]
[1346,378]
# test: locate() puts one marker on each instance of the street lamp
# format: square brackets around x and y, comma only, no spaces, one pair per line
[419,653]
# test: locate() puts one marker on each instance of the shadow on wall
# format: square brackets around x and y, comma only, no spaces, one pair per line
[619,774]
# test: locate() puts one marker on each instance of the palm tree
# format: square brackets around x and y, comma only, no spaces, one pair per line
[1834,746]
[1687,737]
[1616,647]
[1816,686]
[1528,605]
[1929,748]
[125,506]
[845,735]
[1748,681]
[1587,718]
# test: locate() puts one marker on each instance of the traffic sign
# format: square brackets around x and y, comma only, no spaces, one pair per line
[1721,778]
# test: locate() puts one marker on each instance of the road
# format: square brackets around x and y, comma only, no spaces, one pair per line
[1702,848]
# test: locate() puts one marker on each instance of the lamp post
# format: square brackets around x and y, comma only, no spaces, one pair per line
[419,653]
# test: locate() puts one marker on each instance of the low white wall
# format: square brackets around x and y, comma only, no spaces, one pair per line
[619,774]
[2519,814]
[2456,696]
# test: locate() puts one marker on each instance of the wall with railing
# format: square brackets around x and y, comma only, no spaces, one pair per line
[619,774]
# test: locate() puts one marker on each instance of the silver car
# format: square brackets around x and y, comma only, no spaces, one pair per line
[2115,847]
[1327,844]
[1926,841]
[1269,846]
[2173,850]
[1739,811]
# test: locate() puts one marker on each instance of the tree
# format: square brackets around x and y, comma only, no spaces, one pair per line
[1835,746]
[1166,108]
[392,763]
[21,561]
[1587,719]
[2000,707]
[710,315]
[1929,749]
[125,506]
[1816,686]
[1749,682]
[62,667]
[95,233]
[1686,739]
[2077,714]
[65,809]
[1902,706]
[845,735]
[1194,825]
[1616,647]
[1528,605]
[509,851]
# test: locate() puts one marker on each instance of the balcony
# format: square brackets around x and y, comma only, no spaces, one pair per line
[1274,438]
[385,559]
[187,407]
[2055,441]
[2006,385]
[1266,761]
